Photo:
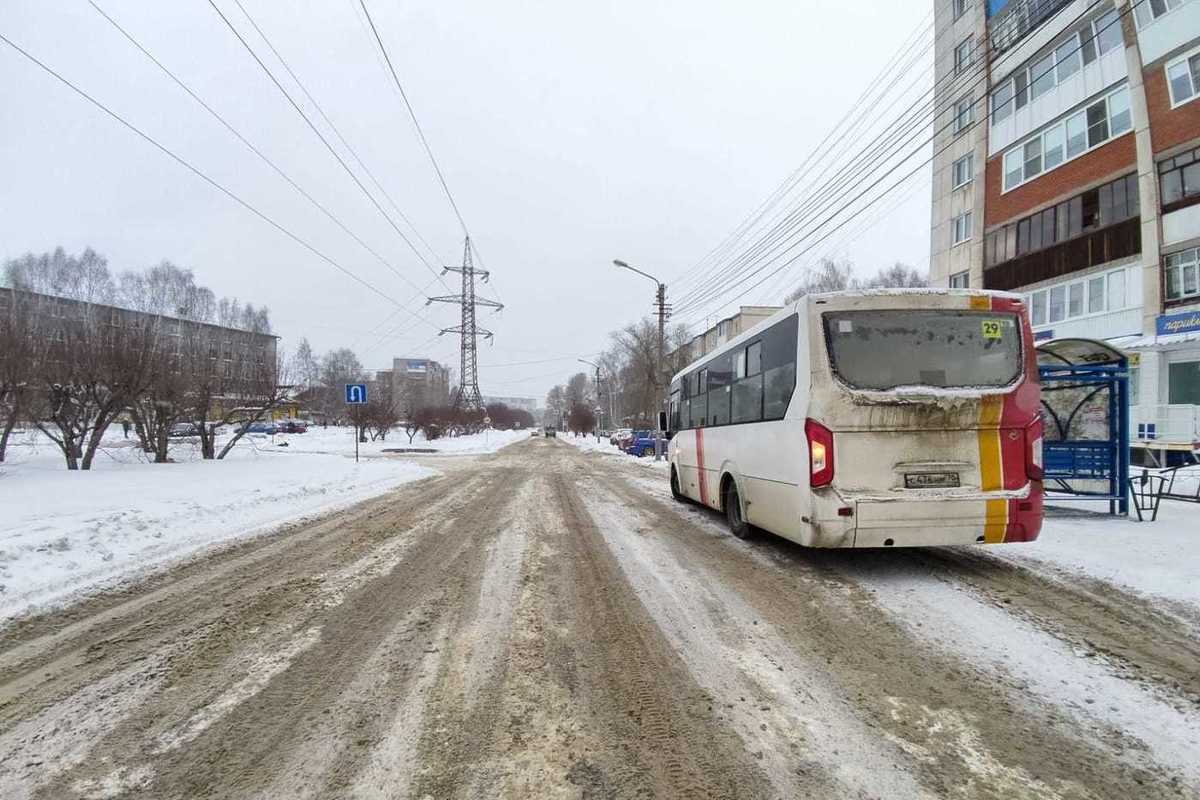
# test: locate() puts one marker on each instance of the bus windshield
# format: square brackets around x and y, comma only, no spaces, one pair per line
[881,350]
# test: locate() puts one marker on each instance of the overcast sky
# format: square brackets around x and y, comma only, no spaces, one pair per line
[569,133]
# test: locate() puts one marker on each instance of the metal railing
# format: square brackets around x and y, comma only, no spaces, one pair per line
[1018,19]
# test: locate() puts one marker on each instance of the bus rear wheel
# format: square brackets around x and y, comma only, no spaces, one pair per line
[733,512]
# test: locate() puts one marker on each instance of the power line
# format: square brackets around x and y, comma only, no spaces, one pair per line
[196,171]
[336,131]
[420,132]
[797,175]
[412,115]
[324,141]
[262,156]
[745,275]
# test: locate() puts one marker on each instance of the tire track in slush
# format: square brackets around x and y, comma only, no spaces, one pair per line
[969,735]
[589,699]
[243,750]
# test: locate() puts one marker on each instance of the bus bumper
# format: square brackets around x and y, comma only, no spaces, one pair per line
[888,522]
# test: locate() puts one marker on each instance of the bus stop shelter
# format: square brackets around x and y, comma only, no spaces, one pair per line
[1085,416]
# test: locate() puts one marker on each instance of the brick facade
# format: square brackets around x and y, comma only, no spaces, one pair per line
[1168,127]
[1110,160]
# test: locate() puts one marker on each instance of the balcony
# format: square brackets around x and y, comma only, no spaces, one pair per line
[1018,19]
[1108,244]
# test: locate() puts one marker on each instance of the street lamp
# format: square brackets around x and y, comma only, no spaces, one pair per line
[660,299]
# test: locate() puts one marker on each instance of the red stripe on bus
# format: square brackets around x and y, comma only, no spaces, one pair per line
[700,465]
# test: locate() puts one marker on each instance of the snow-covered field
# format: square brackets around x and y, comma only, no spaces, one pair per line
[64,533]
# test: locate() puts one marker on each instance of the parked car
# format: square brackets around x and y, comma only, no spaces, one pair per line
[269,428]
[183,429]
[641,444]
[618,434]
[535,432]
[292,426]
[626,437]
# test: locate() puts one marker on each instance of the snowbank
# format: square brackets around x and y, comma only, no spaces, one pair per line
[64,533]
[340,441]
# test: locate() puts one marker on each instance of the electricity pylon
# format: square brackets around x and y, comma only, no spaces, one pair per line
[468,396]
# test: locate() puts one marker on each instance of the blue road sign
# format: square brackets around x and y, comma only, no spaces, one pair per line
[356,394]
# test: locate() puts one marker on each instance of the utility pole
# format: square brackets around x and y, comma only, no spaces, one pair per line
[599,407]
[468,396]
[660,300]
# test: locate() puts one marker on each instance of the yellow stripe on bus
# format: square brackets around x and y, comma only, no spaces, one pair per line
[981,302]
[991,475]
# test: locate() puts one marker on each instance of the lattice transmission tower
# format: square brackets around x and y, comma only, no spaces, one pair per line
[468,396]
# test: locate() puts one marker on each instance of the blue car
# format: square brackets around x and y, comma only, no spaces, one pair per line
[269,428]
[642,444]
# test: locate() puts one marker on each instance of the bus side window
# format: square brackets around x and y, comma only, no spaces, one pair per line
[747,389]
[779,367]
[720,374]
[700,400]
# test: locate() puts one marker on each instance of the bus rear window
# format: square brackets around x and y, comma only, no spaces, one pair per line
[881,350]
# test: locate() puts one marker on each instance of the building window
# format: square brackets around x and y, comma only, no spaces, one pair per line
[962,227]
[1183,76]
[1148,11]
[962,56]
[1002,102]
[1182,275]
[1179,177]
[961,280]
[1107,32]
[963,170]
[1183,383]
[1084,130]
[960,7]
[962,114]
[1097,294]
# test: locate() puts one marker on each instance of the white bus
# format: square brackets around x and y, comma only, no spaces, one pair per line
[868,419]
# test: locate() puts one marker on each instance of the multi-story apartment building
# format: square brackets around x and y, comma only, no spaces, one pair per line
[1067,169]
[420,382]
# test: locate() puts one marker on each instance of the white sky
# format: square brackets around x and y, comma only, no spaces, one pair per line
[570,134]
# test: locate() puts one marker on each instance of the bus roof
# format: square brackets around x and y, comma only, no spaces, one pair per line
[794,307]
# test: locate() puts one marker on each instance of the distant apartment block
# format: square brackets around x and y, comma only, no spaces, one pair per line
[420,382]
[1067,168]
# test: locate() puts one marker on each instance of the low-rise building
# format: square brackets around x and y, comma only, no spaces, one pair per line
[703,343]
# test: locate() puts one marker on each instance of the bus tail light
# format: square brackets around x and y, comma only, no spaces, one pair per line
[1034,465]
[820,453]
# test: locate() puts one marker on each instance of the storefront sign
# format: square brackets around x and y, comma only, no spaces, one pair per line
[1187,322]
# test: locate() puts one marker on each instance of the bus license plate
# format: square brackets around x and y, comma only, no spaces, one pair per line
[930,480]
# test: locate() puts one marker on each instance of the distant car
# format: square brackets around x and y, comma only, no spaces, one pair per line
[549,432]
[535,432]
[183,429]
[292,426]
[619,434]
[641,444]
[269,428]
